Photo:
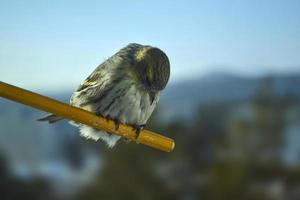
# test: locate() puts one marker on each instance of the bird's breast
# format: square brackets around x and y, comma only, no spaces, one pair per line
[129,104]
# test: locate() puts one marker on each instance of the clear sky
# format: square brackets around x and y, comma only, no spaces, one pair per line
[56,44]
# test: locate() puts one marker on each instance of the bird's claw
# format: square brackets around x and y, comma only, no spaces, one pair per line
[138,129]
[116,121]
[117,124]
[108,118]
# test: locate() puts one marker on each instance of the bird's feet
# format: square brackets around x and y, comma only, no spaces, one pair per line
[116,121]
[138,129]
[117,124]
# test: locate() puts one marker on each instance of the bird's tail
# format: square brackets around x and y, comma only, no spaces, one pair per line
[51,118]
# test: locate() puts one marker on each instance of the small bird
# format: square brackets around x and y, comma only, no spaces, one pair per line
[125,88]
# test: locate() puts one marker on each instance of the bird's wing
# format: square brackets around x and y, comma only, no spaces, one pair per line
[93,79]
[93,86]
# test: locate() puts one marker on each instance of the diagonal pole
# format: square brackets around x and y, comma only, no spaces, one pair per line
[82,116]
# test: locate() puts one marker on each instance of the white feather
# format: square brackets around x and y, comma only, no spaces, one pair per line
[90,133]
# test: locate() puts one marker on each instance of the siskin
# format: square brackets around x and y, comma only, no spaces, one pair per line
[124,88]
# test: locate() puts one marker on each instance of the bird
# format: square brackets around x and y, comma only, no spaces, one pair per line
[125,88]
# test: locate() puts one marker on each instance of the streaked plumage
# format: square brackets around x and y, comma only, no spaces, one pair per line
[126,88]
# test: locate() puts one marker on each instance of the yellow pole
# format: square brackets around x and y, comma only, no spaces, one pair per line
[84,117]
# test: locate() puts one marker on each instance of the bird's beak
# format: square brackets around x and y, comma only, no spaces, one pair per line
[151,96]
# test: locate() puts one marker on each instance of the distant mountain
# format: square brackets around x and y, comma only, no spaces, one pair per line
[186,96]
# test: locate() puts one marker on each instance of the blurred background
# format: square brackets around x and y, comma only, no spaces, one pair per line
[232,104]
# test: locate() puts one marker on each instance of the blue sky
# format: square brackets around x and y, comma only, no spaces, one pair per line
[53,45]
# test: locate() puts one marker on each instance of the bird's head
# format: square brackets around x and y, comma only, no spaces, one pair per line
[154,67]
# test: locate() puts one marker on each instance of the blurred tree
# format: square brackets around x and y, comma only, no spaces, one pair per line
[13,188]
[128,173]
[269,121]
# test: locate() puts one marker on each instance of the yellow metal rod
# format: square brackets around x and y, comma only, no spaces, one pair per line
[84,117]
